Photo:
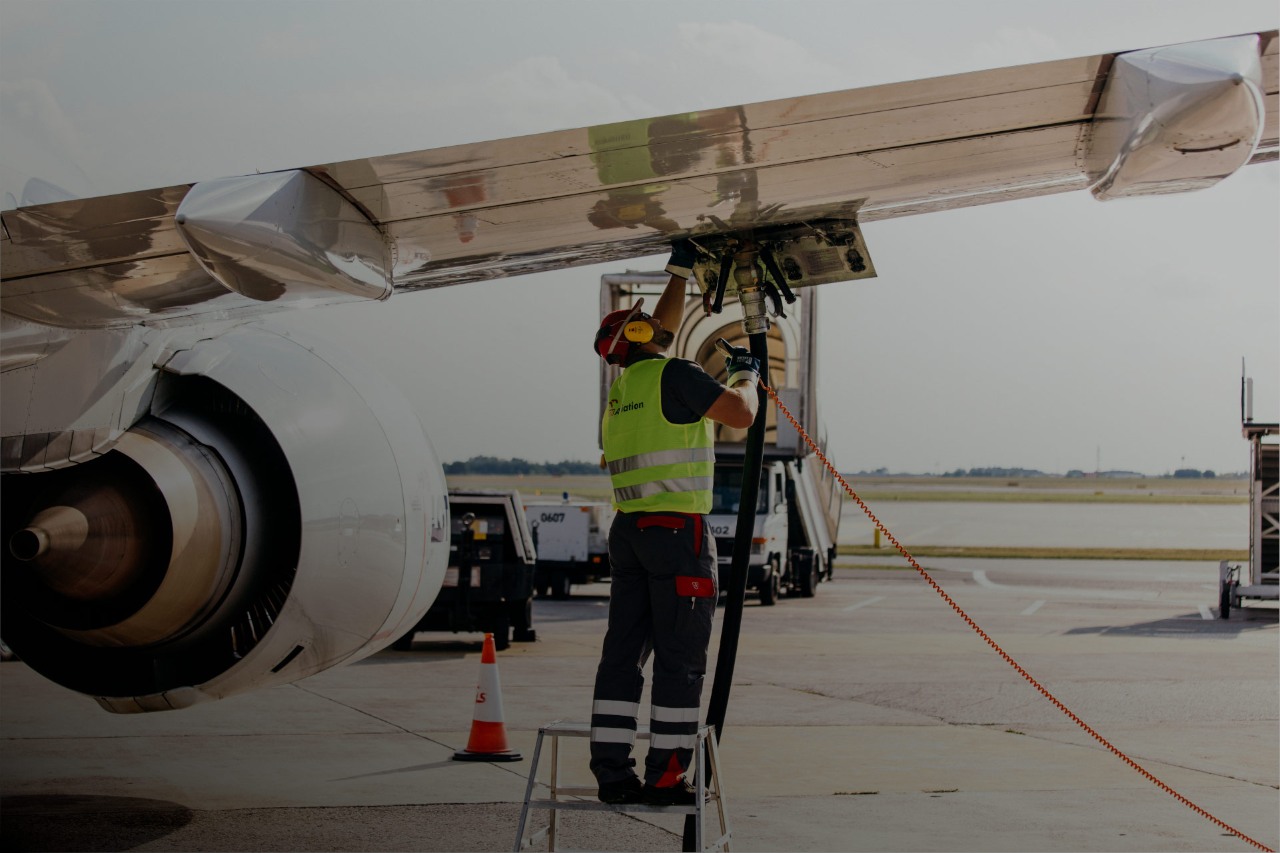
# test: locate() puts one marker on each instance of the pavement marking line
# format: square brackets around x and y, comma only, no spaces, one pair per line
[980,577]
[1033,607]
[1205,612]
[866,603]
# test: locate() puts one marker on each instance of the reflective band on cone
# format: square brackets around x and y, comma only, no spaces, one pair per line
[488,741]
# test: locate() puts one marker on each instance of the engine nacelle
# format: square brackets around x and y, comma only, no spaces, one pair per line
[278,511]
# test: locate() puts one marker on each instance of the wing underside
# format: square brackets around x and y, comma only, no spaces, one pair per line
[528,204]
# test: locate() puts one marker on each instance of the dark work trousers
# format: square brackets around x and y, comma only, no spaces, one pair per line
[662,598]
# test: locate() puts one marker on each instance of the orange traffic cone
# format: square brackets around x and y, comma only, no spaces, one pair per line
[488,741]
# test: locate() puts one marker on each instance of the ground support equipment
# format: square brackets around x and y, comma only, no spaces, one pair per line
[707,782]
[1260,579]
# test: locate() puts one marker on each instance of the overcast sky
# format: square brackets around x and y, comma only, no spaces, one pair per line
[1043,333]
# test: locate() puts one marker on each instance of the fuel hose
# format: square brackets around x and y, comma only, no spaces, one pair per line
[736,587]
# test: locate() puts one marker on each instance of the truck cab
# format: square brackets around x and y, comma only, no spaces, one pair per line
[783,556]
[769,530]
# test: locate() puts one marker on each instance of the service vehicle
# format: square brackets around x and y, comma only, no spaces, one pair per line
[791,552]
[1259,580]
[488,587]
[572,541]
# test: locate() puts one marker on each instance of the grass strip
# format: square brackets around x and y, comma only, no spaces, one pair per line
[1020,553]
[879,496]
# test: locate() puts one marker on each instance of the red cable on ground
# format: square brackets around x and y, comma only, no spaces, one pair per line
[992,643]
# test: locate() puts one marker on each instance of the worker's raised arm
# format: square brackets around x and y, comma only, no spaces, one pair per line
[737,406]
[670,308]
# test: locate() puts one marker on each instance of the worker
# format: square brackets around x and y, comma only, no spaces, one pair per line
[656,433]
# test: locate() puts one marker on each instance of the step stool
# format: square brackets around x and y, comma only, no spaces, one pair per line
[706,781]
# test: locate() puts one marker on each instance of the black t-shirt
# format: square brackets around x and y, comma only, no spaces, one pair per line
[687,390]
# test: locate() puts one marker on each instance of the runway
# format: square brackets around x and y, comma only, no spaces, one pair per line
[1054,525]
[867,718]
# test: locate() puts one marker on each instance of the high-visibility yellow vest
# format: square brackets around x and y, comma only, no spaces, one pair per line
[654,465]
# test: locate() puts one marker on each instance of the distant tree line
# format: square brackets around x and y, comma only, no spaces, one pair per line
[517,466]
[996,472]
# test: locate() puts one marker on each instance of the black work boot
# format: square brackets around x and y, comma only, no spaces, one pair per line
[620,792]
[679,794]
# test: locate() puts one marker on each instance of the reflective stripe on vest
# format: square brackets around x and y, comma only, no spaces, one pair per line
[654,465]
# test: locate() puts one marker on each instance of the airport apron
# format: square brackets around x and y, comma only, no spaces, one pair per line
[662,589]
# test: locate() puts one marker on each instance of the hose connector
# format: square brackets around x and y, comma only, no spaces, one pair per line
[755,314]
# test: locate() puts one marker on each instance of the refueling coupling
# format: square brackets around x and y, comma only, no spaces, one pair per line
[746,275]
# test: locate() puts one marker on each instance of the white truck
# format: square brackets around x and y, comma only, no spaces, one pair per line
[791,549]
[571,539]
[797,517]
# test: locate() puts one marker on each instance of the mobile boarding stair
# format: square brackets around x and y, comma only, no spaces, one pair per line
[1263,580]
[561,797]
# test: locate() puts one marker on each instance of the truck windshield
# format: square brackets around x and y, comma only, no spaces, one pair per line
[728,489]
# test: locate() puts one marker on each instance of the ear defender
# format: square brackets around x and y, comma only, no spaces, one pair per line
[619,330]
[638,332]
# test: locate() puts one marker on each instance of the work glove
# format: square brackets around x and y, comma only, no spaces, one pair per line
[741,365]
[683,254]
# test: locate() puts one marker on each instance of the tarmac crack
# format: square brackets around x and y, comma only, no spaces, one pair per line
[1142,759]
[384,720]
[512,770]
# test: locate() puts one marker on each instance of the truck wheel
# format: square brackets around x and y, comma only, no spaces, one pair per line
[805,573]
[771,585]
[1224,600]
[560,584]
[499,625]
[809,579]
[522,621]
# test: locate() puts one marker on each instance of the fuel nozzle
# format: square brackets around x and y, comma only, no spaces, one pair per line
[751,293]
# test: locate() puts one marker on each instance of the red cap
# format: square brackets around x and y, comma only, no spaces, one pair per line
[609,343]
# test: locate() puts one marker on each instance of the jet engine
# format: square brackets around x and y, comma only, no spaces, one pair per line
[275,510]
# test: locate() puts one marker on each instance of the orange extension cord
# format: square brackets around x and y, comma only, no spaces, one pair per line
[992,643]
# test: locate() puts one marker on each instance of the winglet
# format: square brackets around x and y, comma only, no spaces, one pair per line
[1178,118]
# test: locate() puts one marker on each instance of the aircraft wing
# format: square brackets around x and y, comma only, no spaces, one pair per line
[1142,122]
[196,506]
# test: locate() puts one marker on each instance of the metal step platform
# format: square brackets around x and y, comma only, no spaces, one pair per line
[706,781]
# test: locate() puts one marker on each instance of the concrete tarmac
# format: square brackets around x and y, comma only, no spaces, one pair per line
[870,717]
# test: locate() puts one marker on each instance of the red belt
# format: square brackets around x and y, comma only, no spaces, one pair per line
[675,521]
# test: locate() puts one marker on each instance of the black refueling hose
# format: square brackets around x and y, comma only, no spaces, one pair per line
[736,588]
